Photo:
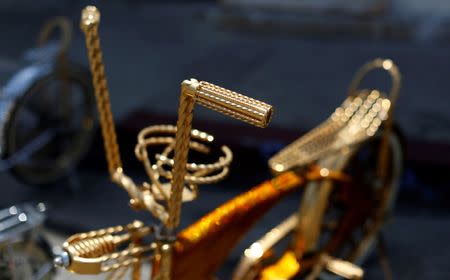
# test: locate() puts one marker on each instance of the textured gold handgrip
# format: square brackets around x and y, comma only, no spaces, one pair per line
[218,99]
[90,19]
[221,100]
[234,104]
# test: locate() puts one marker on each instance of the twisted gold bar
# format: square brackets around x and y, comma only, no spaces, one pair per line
[90,19]
[221,100]
[216,98]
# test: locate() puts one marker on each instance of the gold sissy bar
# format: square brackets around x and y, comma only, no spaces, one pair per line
[329,147]
[95,252]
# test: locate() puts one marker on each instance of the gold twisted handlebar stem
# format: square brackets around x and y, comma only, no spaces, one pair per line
[90,20]
[218,99]
[208,95]
[223,101]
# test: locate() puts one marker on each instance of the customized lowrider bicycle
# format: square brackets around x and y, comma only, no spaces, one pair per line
[46,110]
[326,162]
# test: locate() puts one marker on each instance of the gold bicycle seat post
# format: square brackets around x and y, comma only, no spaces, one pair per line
[90,20]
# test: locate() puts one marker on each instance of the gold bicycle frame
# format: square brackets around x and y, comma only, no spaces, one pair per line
[192,91]
[173,257]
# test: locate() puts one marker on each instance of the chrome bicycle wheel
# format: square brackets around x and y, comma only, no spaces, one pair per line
[59,106]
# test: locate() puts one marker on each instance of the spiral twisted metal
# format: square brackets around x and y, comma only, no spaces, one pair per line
[97,251]
[90,20]
[179,175]
[197,174]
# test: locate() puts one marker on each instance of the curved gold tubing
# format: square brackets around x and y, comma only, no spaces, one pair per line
[389,66]
[65,27]
[356,120]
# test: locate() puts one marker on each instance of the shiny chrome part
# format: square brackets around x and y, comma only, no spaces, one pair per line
[253,254]
[18,219]
[337,267]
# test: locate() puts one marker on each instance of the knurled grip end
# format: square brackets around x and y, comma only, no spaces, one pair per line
[90,16]
[229,103]
[190,87]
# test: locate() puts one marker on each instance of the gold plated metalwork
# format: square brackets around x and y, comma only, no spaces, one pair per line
[90,19]
[95,251]
[221,100]
[319,156]
[330,147]
[357,119]
[216,98]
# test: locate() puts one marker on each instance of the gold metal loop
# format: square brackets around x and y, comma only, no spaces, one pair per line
[66,29]
[197,174]
[378,63]
[394,72]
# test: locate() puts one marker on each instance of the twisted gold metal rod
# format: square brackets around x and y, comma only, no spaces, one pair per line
[218,99]
[90,20]
[221,100]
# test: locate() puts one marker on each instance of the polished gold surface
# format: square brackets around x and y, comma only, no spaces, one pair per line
[90,19]
[357,119]
[226,213]
[234,104]
[286,267]
[175,180]
[216,98]
[94,252]
[172,181]
[221,230]
[254,254]
[330,147]
[196,174]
